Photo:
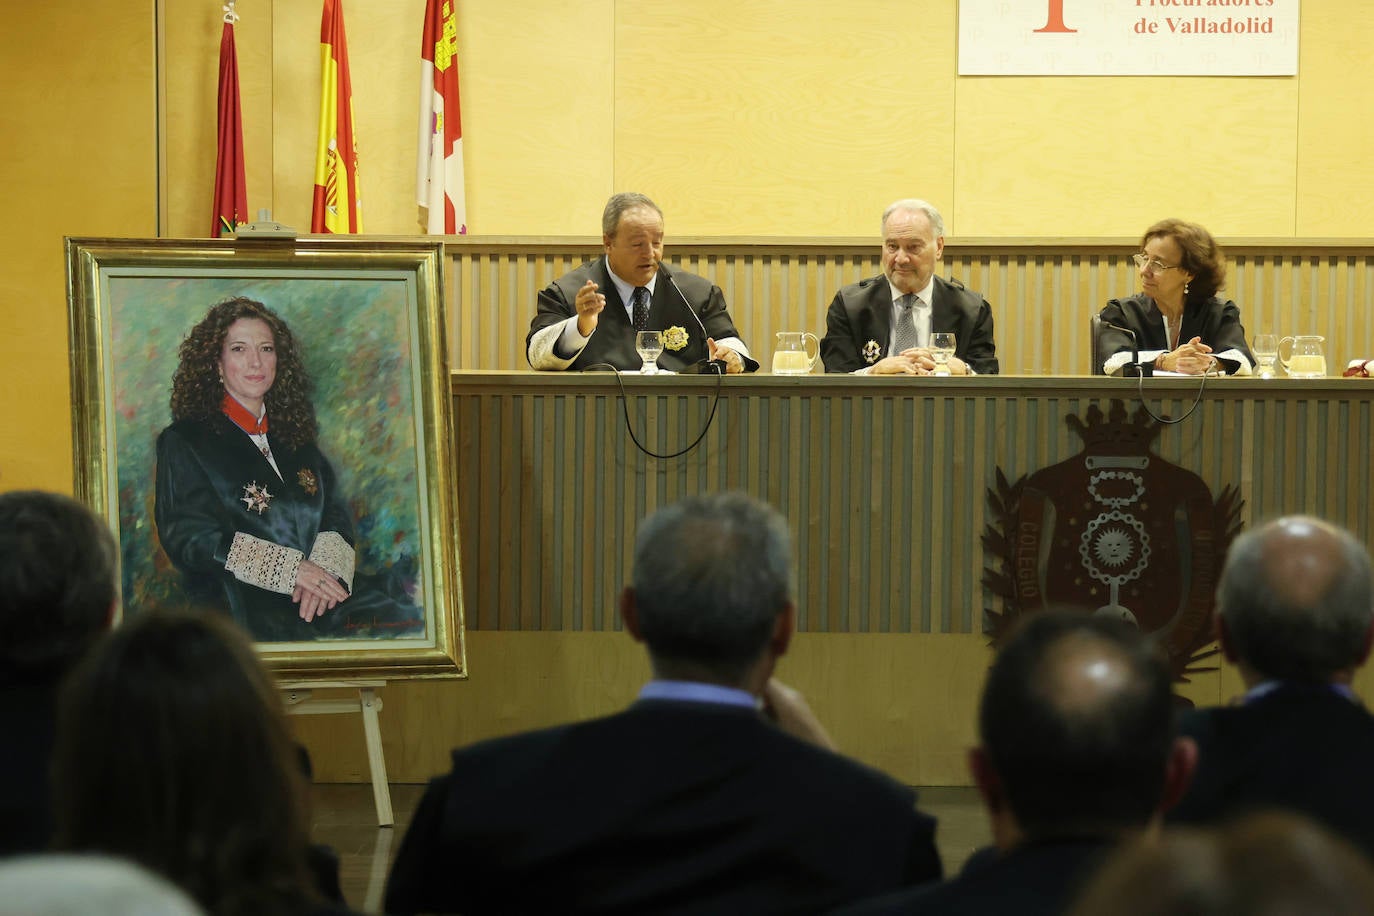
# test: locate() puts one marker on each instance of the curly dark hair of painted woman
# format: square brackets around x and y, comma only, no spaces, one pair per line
[198,389]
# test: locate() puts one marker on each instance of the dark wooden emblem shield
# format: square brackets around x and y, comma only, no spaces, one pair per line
[1115,530]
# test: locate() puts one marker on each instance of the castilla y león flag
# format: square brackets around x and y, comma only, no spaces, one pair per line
[439,181]
[231,190]
[338,204]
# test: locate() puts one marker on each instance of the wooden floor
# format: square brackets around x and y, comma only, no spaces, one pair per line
[346,819]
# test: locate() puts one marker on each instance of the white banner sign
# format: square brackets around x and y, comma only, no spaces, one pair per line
[1128,37]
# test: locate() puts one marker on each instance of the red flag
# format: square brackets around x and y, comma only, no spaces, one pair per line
[337,206]
[439,177]
[231,190]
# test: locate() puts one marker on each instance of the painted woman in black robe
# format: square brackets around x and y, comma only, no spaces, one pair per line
[248,508]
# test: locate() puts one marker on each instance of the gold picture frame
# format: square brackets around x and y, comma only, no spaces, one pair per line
[365,319]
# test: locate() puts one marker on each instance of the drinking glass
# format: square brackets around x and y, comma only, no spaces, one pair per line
[649,344]
[941,349]
[1266,350]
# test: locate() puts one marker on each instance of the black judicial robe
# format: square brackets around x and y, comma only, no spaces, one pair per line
[613,341]
[859,323]
[1216,321]
[205,468]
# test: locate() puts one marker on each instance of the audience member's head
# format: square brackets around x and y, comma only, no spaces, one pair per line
[711,593]
[59,580]
[1077,731]
[1296,602]
[173,751]
[86,885]
[1262,865]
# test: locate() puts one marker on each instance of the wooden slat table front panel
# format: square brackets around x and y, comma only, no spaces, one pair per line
[884,483]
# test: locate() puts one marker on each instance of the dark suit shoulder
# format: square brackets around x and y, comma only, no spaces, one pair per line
[663,729]
[866,294]
[1031,879]
[202,436]
[517,745]
[1301,709]
[862,287]
[1138,301]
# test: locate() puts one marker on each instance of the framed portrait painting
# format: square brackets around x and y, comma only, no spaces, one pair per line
[266,425]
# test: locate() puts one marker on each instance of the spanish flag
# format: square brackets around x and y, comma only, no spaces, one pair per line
[231,190]
[439,176]
[338,204]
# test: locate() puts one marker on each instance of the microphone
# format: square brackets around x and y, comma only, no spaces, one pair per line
[716,366]
[1133,369]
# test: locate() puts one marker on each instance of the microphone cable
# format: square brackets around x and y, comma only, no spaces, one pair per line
[629,425]
[707,366]
[1197,399]
[1140,379]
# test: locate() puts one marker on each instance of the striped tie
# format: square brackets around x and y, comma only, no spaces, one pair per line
[905,337]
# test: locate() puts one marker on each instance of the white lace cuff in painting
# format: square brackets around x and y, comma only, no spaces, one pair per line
[263,563]
[331,552]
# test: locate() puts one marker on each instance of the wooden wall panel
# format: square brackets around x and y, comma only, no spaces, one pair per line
[78,104]
[1111,155]
[1042,292]
[795,118]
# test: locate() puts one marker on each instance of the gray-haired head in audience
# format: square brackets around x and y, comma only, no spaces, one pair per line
[712,577]
[1296,602]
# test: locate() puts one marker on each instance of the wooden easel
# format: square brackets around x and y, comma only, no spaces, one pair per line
[299,700]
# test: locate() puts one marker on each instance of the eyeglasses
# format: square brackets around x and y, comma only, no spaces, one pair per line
[1153,265]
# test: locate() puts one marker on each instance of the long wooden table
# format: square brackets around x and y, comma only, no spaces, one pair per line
[885,482]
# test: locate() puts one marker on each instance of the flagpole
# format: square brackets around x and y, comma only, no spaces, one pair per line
[231,186]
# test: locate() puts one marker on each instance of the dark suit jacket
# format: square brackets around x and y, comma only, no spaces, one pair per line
[1040,878]
[613,341]
[1215,321]
[668,807]
[30,700]
[1303,749]
[862,312]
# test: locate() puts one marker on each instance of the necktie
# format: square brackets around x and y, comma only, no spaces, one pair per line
[905,336]
[921,318]
[639,304]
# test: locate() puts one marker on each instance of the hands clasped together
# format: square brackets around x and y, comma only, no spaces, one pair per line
[317,590]
[1191,358]
[916,361]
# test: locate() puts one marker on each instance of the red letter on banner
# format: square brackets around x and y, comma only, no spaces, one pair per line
[1055,21]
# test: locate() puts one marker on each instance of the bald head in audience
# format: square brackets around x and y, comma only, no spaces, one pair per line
[1296,603]
[1077,732]
[1078,753]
